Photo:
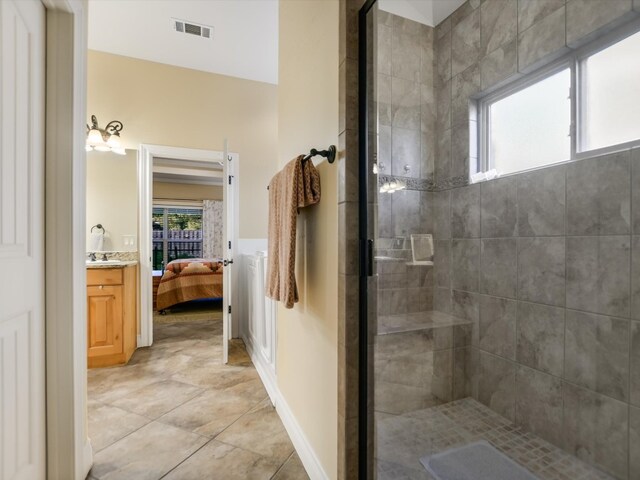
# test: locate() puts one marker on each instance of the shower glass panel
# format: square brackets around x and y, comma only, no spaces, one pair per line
[459,374]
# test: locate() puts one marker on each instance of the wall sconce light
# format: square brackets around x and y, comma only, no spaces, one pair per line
[105,140]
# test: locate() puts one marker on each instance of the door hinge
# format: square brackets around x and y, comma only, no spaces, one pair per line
[229,245]
[229,309]
[230,177]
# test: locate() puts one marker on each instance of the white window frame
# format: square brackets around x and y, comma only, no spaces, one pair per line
[573,61]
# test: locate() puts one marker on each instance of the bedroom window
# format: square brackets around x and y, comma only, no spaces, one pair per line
[582,105]
[177,233]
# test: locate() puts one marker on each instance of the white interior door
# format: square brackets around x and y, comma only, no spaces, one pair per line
[22,370]
[229,228]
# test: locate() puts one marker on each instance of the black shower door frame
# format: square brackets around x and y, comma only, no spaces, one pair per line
[365,244]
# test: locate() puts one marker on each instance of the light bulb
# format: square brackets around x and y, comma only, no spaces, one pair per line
[114,142]
[94,138]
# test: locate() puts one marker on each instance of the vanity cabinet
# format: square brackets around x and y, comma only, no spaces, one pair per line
[111,315]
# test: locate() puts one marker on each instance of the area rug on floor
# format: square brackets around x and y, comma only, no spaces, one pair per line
[475,461]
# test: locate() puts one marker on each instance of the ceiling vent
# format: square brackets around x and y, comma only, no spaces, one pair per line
[190,28]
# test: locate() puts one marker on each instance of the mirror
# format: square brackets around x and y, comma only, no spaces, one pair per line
[112,201]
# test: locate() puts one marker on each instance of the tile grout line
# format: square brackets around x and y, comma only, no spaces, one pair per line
[631,232]
[237,419]
[164,379]
[187,457]
[281,467]
[564,310]
[122,438]
[517,231]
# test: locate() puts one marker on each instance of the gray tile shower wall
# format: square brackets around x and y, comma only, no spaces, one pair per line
[406,97]
[544,264]
[550,279]
[406,148]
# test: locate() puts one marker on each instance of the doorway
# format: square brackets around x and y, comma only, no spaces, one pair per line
[185,164]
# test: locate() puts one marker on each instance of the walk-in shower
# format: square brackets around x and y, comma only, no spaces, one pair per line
[501,315]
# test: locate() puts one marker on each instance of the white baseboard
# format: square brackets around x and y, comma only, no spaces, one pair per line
[300,441]
[305,451]
[266,373]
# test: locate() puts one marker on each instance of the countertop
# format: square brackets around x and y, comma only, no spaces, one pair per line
[117,264]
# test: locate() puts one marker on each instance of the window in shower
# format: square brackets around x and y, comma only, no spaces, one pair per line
[530,127]
[584,104]
[610,99]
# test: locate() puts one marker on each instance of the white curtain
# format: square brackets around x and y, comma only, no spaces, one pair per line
[212,229]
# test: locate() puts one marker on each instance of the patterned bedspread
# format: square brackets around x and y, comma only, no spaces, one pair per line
[189,279]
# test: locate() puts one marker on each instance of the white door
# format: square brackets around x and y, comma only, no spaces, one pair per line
[229,225]
[22,371]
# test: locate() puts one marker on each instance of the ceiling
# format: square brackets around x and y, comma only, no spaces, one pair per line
[429,12]
[244,44]
[182,171]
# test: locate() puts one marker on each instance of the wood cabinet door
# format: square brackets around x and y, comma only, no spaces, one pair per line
[104,310]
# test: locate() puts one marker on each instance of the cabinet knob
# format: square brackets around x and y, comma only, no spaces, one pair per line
[101,287]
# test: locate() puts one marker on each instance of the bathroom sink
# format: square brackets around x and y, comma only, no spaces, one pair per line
[104,262]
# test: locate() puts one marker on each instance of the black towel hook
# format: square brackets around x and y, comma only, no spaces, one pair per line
[329,154]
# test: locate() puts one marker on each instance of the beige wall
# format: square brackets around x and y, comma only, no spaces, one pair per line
[111,192]
[167,105]
[185,191]
[308,117]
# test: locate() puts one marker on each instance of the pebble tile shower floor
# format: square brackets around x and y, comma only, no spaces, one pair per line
[403,439]
[176,412]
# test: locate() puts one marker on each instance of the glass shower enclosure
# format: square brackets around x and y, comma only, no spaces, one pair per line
[443,388]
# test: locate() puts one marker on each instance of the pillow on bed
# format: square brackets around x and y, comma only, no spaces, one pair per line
[177,266]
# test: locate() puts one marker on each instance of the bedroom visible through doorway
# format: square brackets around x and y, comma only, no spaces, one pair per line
[185,215]
[186,231]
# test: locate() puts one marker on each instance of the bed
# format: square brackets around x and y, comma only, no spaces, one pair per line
[189,279]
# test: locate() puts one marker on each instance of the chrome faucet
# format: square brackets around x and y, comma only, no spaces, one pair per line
[104,257]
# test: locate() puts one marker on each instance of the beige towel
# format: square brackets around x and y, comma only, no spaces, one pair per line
[297,185]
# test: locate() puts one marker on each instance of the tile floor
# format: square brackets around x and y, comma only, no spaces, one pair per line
[176,412]
[403,439]
[188,312]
